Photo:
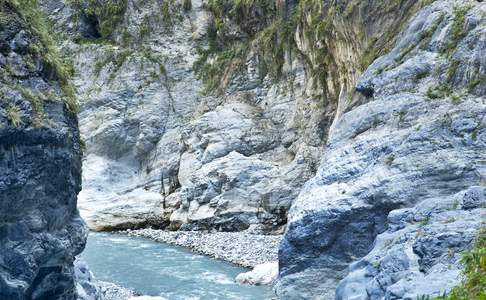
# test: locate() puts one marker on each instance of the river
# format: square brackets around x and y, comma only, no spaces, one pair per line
[158,269]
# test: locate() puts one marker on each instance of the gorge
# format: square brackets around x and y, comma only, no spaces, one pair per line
[352,131]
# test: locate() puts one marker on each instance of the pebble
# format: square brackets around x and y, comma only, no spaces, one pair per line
[240,248]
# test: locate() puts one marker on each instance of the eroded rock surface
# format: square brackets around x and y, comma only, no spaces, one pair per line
[227,162]
[160,154]
[399,171]
[40,166]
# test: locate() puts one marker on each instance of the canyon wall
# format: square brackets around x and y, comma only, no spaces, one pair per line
[355,126]
[212,116]
[40,161]
[163,152]
[400,191]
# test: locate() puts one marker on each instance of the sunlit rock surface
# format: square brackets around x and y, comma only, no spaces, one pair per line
[399,171]
[227,162]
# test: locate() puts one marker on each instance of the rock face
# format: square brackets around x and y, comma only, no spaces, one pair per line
[400,190]
[40,164]
[382,160]
[160,153]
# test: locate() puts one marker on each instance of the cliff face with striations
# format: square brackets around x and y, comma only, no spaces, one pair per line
[400,191]
[40,162]
[160,150]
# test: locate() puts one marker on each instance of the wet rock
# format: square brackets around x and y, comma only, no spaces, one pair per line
[111,291]
[86,286]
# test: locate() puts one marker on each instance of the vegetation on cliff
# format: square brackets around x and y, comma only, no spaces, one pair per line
[107,14]
[473,283]
[42,46]
[273,30]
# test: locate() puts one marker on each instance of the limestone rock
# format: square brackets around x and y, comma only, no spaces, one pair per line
[265,273]
[159,153]
[400,181]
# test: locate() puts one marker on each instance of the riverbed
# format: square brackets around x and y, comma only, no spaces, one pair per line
[158,269]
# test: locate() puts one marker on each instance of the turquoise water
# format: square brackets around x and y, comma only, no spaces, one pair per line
[172,272]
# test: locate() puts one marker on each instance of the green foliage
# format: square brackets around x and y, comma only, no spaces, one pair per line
[217,72]
[424,221]
[272,42]
[13,115]
[421,75]
[154,59]
[477,80]
[451,70]
[116,58]
[226,53]
[458,29]
[389,159]
[268,28]
[315,30]
[449,220]
[165,12]
[401,116]
[45,46]
[187,5]
[109,13]
[455,99]
[438,92]
[367,58]
[144,28]
[426,2]
[473,283]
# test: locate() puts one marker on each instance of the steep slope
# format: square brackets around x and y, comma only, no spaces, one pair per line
[225,161]
[401,182]
[40,162]
[212,115]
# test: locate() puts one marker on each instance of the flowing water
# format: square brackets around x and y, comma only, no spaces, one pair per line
[172,272]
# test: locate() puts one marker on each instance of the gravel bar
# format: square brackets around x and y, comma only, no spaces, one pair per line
[243,249]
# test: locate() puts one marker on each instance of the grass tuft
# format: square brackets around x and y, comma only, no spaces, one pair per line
[13,116]
[45,47]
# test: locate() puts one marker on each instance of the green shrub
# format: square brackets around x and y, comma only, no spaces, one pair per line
[225,54]
[390,159]
[473,282]
[109,13]
[13,115]
[426,2]
[438,92]
[421,75]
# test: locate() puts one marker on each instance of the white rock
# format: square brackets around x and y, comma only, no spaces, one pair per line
[265,273]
